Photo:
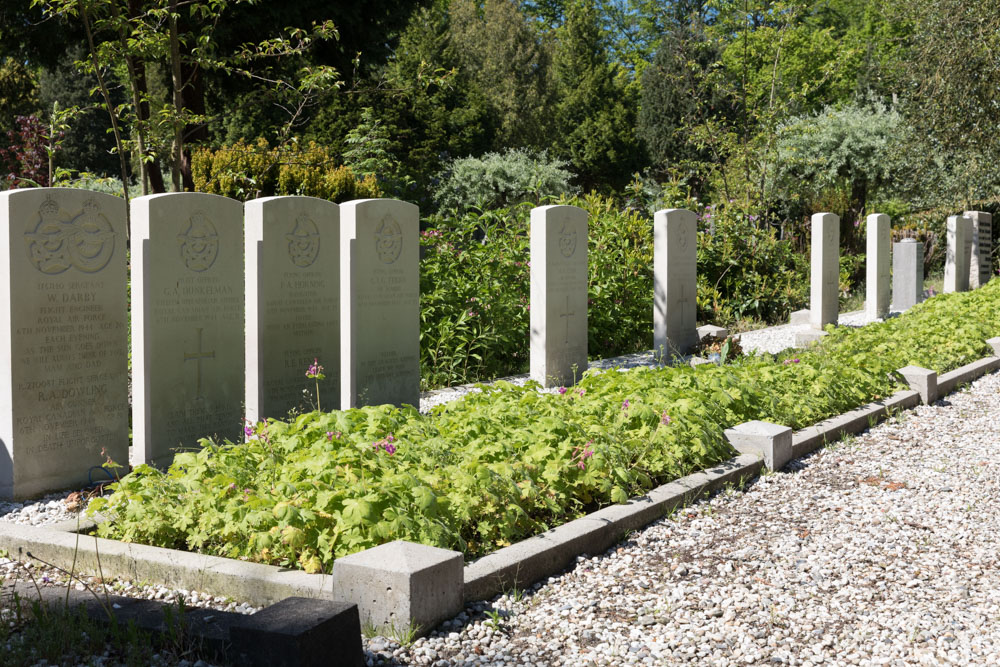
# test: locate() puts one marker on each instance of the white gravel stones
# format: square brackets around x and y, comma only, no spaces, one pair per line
[43,511]
[776,339]
[882,549]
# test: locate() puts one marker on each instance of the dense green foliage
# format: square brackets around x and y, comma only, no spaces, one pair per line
[509,462]
[496,180]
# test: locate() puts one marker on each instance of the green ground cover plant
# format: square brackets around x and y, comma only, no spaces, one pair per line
[506,463]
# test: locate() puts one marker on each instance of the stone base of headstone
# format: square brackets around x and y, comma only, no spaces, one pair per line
[771,441]
[402,585]
[694,362]
[799,317]
[710,330]
[806,338]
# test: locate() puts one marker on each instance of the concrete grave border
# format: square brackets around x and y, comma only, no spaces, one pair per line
[515,566]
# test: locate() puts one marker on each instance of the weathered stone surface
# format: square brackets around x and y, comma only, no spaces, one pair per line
[400,584]
[187,322]
[379,303]
[63,337]
[980,259]
[877,269]
[923,381]
[558,294]
[771,441]
[292,302]
[824,304]
[957,258]
[907,274]
[675,282]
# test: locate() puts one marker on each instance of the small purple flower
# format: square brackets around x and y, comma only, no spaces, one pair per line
[665,418]
[46,580]
[581,391]
[625,404]
[232,486]
[561,390]
[315,371]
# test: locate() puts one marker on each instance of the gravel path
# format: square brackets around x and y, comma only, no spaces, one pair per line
[882,549]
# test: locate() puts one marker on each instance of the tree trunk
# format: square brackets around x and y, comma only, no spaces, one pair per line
[193,96]
[855,211]
[177,82]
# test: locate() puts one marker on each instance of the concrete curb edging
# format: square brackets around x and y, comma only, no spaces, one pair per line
[518,565]
[537,557]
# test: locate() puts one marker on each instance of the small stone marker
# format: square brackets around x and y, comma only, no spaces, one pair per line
[292,302]
[675,282]
[877,269]
[402,583]
[558,295]
[187,322]
[772,441]
[379,303]
[923,381]
[824,304]
[956,264]
[980,264]
[63,337]
[907,274]
[712,331]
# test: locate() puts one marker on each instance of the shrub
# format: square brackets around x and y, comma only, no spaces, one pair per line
[245,171]
[501,180]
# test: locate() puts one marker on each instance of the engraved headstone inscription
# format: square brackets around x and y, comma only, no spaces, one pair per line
[824,305]
[980,264]
[63,338]
[558,337]
[877,269]
[675,282]
[292,302]
[379,303]
[187,322]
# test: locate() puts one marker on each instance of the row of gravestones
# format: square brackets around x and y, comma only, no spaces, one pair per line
[230,303]
[967,265]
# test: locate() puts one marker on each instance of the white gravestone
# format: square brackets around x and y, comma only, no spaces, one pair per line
[379,303]
[907,274]
[877,269]
[824,304]
[980,260]
[63,338]
[292,303]
[187,322]
[675,282]
[956,263]
[558,295]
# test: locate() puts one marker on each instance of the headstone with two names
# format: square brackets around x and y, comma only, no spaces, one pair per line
[292,302]
[877,269]
[675,282]
[824,304]
[907,274]
[379,303]
[63,338]
[980,259]
[558,336]
[958,255]
[187,322]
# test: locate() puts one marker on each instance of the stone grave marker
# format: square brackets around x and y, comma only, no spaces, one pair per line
[292,303]
[980,259]
[187,322]
[379,303]
[877,269]
[63,338]
[675,282]
[956,263]
[824,305]
[558,295]
[907,274]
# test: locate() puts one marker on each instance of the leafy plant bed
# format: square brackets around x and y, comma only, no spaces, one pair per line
[480,473]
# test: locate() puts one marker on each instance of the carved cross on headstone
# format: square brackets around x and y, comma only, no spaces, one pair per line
[568,314]
[198,356]
[682,306]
